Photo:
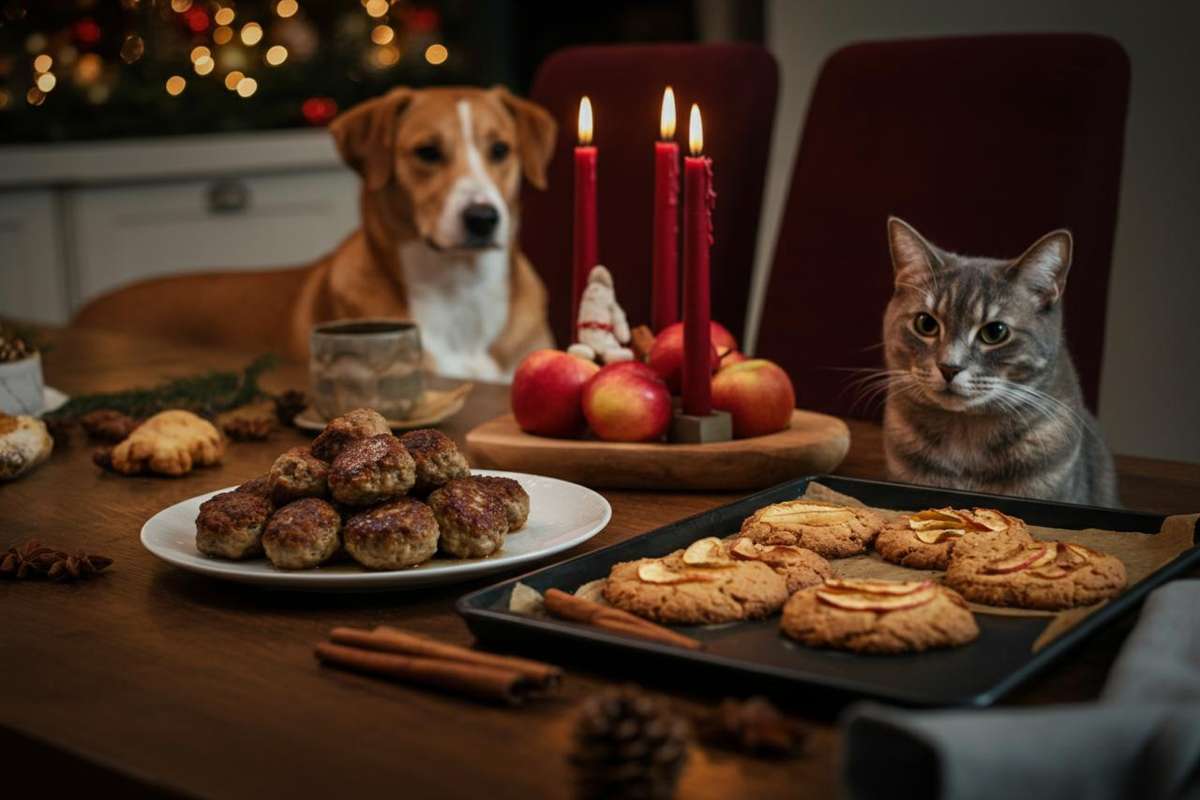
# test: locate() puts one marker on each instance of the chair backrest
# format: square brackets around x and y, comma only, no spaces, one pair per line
[983,143]
[736,87]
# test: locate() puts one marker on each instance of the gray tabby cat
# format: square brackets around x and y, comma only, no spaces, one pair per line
[981,391]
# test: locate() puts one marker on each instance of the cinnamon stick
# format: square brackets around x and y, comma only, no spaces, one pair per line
[475,680]
[393,640]
[576,609]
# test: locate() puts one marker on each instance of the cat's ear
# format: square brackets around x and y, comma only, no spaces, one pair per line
[1044,266]
[913,259]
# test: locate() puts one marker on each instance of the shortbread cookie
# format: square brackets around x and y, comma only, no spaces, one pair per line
[1042,575]
[926,539]
[799,566]
[702,584]
[877,616]
[828,529]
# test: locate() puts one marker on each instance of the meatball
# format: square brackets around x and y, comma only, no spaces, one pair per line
[230,525]
[394,535]
[296,474]
[303,534]
[260,486]
[371,470]
[437,457]
[471,519]
[510,493]
[351,426]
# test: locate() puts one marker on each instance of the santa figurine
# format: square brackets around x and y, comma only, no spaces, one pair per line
[602,331]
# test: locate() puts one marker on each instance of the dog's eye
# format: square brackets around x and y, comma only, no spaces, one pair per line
[925,325]
[429,153]
[499,151]
[994,333]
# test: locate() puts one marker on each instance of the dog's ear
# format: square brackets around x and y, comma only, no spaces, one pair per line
[536,134]
[366,134]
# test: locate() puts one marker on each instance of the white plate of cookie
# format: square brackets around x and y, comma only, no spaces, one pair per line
[361,509]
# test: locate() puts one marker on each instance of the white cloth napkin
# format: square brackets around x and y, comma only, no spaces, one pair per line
[1142,739]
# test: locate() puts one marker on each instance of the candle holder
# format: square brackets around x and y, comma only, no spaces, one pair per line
[695,429]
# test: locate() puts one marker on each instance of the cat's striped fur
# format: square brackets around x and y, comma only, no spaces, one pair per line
[1003,416]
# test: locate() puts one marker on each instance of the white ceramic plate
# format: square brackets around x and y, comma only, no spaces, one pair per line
[561,515]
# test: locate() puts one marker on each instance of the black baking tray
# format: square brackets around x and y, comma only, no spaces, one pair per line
[977,674]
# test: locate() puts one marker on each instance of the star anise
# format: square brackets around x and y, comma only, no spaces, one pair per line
[752,726]
[32,559]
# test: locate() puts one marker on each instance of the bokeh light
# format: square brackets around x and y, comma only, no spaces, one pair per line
[224,16]
[199,53]
[252,33]
[377,8]
[204,65]
[223,35]
[286,8]
[436,54]
[232,80]
[176,84]
[276,55]
[46,81]
[382,34]
[43,63]
[247,87]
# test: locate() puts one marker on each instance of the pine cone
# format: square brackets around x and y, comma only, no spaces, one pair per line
[752,726]
[628,745]
[288,405]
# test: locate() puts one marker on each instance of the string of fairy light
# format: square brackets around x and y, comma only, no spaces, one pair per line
[225,47]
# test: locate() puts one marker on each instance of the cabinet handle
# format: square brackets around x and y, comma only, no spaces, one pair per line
[228,196]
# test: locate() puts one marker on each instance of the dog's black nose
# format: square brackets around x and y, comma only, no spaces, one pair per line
[480,219]
[949,371]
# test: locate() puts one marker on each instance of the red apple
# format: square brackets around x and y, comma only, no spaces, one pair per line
[547,391]
[634,367]
[730,357]
[624,404]
[666,354]
[758,395]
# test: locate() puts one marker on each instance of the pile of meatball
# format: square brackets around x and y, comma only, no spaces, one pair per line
[387,502]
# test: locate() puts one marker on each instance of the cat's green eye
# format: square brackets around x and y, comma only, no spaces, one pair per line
[925,325]
[994,333]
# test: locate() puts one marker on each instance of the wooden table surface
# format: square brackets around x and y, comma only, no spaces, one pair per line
[154,680]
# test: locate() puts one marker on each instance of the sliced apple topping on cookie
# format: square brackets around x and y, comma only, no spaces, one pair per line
[874,585]
[657,572]
[802,513]
[991,520]
[937,519]
[746,550]
[706,553]
[1024,558]
[879,596]
[938,536]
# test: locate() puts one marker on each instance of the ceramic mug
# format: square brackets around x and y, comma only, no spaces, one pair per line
[366,363]
[21,386]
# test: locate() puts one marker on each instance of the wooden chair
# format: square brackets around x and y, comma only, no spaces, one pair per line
[735,86]
[984,143]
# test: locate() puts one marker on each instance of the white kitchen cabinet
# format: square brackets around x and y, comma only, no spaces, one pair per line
[78,220]
[127,233]
[32,283]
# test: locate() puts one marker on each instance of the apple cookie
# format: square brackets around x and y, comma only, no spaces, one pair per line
[878,616]
[799,566]
[1043,575]
[926,539]
[699,585]
[830,530]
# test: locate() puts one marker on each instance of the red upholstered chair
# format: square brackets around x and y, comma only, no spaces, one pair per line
[735,86]
[984,144]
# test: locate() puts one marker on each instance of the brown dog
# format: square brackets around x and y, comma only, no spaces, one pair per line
[441,169]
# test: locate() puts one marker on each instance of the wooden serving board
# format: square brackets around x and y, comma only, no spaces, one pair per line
[813,445]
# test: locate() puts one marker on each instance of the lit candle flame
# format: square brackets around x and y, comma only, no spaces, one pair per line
[585,121]
[666,125]
[695,132]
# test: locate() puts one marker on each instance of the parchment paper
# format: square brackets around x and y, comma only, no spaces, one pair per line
[1141,553]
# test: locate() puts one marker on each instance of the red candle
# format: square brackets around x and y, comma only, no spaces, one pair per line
[698,200]
[665,305]
[586,249]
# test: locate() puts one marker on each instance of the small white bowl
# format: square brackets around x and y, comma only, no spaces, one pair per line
[21,386]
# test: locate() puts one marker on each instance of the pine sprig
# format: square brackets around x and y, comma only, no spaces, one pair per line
[206,394]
